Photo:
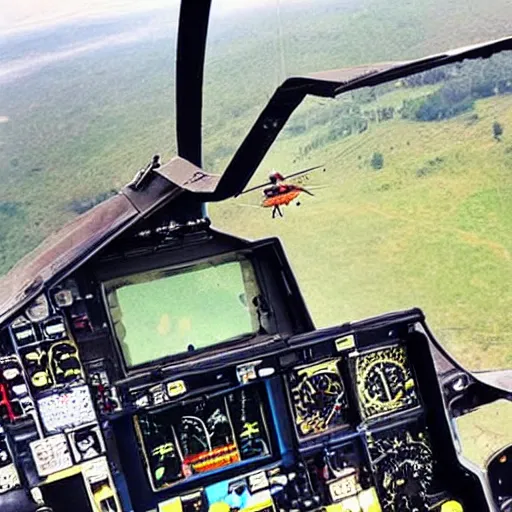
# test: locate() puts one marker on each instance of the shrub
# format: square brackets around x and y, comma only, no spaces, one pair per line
[377,161]
[497,130]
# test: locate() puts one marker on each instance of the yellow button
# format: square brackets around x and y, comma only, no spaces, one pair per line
[451,506]
[219,506]
[369,500]
[351,505]
[173,505]
[336,507]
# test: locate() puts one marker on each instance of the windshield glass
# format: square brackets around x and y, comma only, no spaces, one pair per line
[254,45]
[411,204]
[86,99]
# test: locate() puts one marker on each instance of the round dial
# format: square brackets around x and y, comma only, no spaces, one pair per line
[193,435]
[385,382]
[404,468]
[318,397]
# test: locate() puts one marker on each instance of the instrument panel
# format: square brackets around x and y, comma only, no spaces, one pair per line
[335,420]
[203,435]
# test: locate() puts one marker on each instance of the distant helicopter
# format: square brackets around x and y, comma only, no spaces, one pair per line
[280,193]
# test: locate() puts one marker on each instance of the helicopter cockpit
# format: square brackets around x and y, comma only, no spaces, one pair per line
[187,375]
[150,361]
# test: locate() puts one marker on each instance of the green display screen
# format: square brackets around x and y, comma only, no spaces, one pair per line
[166,312]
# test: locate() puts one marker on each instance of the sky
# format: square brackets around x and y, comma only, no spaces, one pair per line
[16,15]
[22,14]
[26,16]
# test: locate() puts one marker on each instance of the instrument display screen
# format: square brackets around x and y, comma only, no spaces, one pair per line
[161,313]
[203,435]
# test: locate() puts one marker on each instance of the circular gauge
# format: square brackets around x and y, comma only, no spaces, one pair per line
[404,469]
[318,397]
[385,382]
[39,309]
[193,435]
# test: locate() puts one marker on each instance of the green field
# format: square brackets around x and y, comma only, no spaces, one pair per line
[431,229]
[485,431]
[80,128]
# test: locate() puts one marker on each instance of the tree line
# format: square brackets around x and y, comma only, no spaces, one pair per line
[463,84]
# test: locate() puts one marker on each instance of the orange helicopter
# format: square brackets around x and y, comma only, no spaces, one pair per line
[280,193]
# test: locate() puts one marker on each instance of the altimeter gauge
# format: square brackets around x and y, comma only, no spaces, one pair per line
[385,382]
[318,397]
[404,468]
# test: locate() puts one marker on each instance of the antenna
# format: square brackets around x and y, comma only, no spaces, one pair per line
[281,41]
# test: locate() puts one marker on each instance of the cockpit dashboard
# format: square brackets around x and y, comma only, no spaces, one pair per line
[191,378]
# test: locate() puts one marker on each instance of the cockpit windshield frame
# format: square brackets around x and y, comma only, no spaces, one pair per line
[191,45]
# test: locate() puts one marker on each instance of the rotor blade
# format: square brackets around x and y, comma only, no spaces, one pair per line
[254,188]
[302,172]
[249,205]
[285,177]
[307,191]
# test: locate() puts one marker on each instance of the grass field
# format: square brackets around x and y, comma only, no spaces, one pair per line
[485,431]
[74,130]
[431,229]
